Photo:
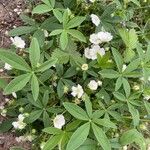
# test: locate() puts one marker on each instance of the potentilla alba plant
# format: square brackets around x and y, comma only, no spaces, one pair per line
[78,71]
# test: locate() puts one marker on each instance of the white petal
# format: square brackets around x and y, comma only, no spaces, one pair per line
[95,19]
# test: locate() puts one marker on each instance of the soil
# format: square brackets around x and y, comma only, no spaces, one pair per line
[9,19]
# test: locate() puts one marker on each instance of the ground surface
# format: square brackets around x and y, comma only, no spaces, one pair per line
[8,20]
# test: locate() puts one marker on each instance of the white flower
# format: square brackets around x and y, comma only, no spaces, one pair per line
[42,145]
[14,94]
[84,67]
[19,124]
[147,97]
[59,121]
[20,139]
[95,19]
[7,67]
[92,52]
[3,112]
[45,33]
[125,147]
[18,42]
[92,1]
[77,91]
[104,36]
[94,39]
[100,83]
[124,68]
[93,85]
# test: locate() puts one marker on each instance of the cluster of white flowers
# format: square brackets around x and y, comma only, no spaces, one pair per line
[93,85]
[59,121]
[3,111]
[91,53]
[100,37]
[19,124]
[77,91]
[24,138]
[18,42]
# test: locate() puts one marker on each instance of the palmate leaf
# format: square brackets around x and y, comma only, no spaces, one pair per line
[78,137]
[14,60]
[17,84]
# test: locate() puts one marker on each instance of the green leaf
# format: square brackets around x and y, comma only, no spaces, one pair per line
[45,98]
[126,87]
[120,96]
[60,89]
[135,115]
[109,73]
[64,40]
[131,136]
[35,87]
[3,83]
[101,137]
[57,13]
[132,66]
[70,72]
[78,137]
[147,58]
[6,125]
[46,119]
[41,9]
[56,32]
[118,83]
[65,18]
[76,111]
[118,59]
[52,142]
[136,2]
[22,30]
[34,52]
[14,60]
[105,122]
[75,22]
[27,20]
[147,106]
[39,35]
[17,84]
[34,115]
[52,130]
[77,34]
[88,105]
[46,65]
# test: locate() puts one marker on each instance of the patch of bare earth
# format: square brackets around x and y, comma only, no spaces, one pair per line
[9,18]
